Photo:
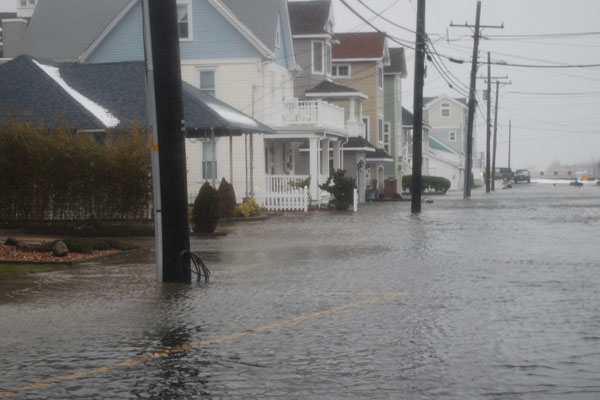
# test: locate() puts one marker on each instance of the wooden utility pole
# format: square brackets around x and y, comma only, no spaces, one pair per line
[415,190]
[488,125]
[165,111]
[472,92]
[496,132]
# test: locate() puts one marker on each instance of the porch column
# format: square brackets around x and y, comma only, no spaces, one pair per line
[325,157]
[336,155]
[360,110]
[352,111]
[313,145]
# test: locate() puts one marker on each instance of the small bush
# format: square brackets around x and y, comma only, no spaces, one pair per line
[342,189]
[227,199]
[206,211]
[85,245]
[437,184]
[249,208]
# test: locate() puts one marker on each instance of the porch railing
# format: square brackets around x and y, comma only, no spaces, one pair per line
[310,113]
[283,183]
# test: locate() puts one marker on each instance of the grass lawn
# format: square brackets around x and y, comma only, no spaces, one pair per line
[13,270]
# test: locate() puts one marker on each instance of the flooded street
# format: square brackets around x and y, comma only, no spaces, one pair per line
[494,297]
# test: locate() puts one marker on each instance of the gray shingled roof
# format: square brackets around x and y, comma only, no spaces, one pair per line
[309,17]
[331,87]
[260,16]
[397,62]
[407,117]
[29,94]
[63,30]
[379,155]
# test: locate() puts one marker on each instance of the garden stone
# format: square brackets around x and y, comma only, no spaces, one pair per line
[60,249]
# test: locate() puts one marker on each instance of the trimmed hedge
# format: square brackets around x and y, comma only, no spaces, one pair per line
[61,174]
[437,184]
[206,210]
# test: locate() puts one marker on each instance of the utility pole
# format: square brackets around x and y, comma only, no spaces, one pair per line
[509,137]
[488,125]
[165,114]
[472,92]
[496,131]
[415,190]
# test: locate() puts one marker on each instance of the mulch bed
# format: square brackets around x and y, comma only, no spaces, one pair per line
[12,254]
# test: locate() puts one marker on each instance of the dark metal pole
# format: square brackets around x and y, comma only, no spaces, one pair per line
[471,117]
[415,190]
[162,46]
[488,131]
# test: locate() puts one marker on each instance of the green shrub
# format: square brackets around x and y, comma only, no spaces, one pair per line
[342,189]
[206,211]
[437,184]
[227,199]
[249,208]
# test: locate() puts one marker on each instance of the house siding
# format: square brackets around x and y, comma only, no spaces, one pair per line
[212,36]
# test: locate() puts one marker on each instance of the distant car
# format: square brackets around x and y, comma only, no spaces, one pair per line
[522,175]
[504,174]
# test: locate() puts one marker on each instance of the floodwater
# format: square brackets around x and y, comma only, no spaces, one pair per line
[493,297]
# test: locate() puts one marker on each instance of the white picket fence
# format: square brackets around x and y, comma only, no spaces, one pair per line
[293,200]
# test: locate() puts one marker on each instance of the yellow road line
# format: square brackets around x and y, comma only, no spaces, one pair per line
[174,350]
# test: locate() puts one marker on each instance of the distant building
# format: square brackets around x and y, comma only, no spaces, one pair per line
[4,16]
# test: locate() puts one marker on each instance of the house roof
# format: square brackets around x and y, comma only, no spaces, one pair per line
[428,100]
[260,16]
[327,89]
[379,155]
[360,45]
[50,36]
[102,96]
[408,118]
[435,144]
[309,17]
[397,62]
[359,143]
[7,15]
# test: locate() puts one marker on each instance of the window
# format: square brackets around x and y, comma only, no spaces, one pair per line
[386,136]
[278,36]
[452,136]
[341,71]
[380,129]
[207,82]
[445,107]
[317,57]
[380,76]
[365,121]
[209,167]
[184,23]
[328,59]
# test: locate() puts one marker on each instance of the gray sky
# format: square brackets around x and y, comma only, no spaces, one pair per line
[548,125]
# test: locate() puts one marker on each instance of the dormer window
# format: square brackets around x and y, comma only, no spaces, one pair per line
[184,19]
[445,109]
[318,57]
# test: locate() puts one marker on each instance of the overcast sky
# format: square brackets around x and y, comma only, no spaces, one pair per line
[554,112]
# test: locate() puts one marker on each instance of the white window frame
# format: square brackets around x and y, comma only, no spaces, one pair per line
[278,35]
[204,176]
[367,132]
[387,136]
[335,72]
[312,51]
[328,57]
[452,136]
[190,36]
[380,76]
[199,73]
[380,129]
[445,107]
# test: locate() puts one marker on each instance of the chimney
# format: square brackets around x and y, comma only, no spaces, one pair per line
[13,31]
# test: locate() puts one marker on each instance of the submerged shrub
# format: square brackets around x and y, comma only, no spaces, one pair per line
[249,208]
[206,211]
[341,187]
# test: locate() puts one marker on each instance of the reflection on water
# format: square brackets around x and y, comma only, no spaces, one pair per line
[502,302]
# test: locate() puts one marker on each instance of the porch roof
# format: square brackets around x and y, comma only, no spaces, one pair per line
[359,143]
[327,89]
[379,155]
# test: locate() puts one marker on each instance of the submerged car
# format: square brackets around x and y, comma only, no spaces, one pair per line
[522,175]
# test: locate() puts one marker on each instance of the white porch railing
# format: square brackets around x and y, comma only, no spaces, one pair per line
[283,183]
[310,113]
[294,200]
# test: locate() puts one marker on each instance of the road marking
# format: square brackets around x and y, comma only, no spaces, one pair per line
[197,345]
